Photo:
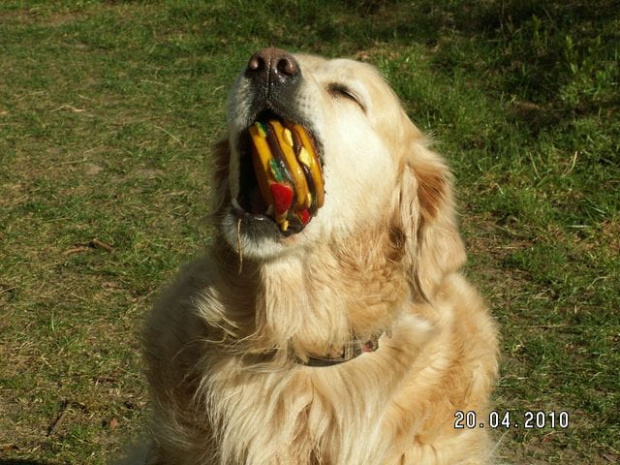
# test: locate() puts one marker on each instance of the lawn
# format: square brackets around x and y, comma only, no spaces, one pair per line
[108,110]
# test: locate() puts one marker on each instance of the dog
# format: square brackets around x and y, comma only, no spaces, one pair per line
[351,338]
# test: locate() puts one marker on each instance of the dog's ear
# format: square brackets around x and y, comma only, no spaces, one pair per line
[426,215]
[220,164]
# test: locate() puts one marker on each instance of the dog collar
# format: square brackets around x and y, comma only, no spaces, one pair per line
[350,350]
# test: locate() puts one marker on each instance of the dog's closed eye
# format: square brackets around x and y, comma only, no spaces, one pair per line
[338,90]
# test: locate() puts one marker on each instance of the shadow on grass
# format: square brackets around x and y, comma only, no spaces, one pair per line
[22,462]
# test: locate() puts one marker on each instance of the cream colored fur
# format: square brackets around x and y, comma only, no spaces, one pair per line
[223,346]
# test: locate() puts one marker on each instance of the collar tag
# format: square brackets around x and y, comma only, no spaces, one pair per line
[350,351]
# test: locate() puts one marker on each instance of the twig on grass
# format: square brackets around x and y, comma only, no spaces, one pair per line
[69,107]
[59,418]
[64,407]
[77,249]
[99,244]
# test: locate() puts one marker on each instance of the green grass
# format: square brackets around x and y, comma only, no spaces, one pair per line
[107,113]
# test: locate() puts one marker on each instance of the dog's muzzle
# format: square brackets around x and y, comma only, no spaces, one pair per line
[281,176]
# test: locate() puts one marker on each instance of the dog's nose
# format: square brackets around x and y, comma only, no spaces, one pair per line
[273,68]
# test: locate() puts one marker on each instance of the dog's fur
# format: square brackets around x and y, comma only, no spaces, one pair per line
[225,345]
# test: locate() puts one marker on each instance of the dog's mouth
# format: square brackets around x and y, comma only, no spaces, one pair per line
[281,176]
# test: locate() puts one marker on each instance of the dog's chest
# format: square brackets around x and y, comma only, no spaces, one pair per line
[305,416]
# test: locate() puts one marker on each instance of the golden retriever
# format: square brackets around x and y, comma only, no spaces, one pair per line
[353,340]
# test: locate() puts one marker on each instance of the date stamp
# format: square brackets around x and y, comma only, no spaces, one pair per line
[507,420]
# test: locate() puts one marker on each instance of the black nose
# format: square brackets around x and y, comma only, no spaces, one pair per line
[273,69]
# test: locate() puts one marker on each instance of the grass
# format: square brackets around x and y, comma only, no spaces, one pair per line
[107,113]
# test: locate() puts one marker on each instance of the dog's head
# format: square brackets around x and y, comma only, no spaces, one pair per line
[375,165]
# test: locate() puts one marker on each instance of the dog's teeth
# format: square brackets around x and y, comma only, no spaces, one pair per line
[269,211]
